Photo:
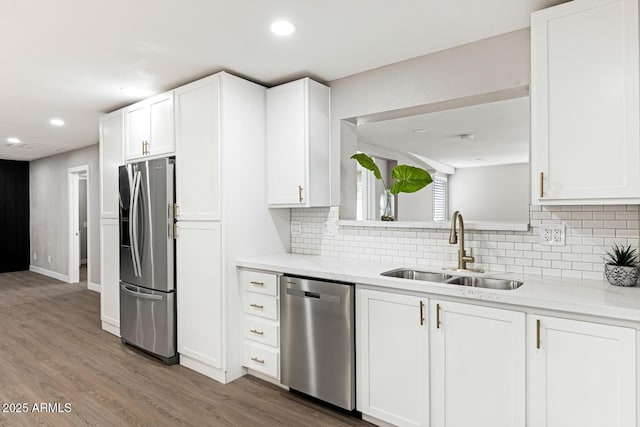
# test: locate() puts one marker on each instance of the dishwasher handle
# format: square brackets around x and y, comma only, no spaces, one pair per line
[314,295]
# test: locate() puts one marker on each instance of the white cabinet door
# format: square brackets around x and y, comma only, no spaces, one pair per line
[136,130]
[110,275]
[581,374]
[149,128]
[393,358]
[298,168]
[197,150]
[199,292]
[111,156]
[478,365]
[584,99]
[161,133]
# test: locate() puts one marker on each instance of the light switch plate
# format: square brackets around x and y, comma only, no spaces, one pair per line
[552,235]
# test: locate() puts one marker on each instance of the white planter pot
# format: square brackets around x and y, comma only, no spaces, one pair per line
[621,276]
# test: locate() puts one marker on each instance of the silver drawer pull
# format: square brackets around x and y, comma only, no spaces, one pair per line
[257,283]
[257,305]
[257,332]
[255,359]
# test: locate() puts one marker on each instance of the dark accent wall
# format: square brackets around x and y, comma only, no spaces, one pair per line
[14,216]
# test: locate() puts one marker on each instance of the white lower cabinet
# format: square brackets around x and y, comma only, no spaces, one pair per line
[581,374]
[110,275]
[471,365]
[393,357]
[477,365]
[261,323]
[199,277]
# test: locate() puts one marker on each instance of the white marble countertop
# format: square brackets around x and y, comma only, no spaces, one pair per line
[580,296]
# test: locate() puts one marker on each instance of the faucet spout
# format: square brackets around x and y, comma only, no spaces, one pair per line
[455,237]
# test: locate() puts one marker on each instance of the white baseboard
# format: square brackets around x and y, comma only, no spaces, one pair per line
[111,328]
[49,273]
[266,378]
[203,369]
[376,421]
[94,287]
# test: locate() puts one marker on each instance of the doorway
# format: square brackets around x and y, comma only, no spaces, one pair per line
[79,225]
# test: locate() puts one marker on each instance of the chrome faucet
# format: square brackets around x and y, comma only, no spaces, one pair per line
[463,259]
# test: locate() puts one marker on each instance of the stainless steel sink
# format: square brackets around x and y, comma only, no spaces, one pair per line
[485,282]
[428,276]
[472,281]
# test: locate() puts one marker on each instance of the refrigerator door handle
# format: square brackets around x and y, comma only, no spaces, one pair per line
[133,225]
[141,295]
[130,221]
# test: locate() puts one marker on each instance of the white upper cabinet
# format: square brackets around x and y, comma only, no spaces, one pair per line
[197,114]
[584,103]
[149,128]
[580,374]
[111,157]
[298,144]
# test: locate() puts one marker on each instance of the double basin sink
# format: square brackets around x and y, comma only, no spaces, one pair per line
[473,281]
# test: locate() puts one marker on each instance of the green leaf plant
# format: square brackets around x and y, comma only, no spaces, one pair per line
[622,256]
[407,179]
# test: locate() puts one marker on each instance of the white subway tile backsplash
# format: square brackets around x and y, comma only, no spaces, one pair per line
[590,231]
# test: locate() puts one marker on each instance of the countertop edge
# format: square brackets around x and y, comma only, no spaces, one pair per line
[539,292]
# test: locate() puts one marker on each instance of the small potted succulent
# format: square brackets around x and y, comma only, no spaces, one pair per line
[621,265]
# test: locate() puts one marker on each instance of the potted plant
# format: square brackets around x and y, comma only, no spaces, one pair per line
[621,265]
[408,179]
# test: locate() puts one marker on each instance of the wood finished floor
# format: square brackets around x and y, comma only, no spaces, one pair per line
[53,350]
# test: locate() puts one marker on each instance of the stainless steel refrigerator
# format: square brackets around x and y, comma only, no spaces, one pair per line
[147,257]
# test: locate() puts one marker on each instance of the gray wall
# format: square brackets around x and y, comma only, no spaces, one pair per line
[491,193]
[493,64]
[49,209]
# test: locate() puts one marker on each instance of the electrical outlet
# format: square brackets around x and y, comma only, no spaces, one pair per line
[330,228]
[296,228]
[49,259]
[35,256]
[552,234]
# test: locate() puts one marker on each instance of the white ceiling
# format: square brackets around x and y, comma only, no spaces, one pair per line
[70,58]
[500,134]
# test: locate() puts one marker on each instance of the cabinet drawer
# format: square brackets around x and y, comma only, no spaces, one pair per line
[263,283]
[263,331]
[262,359]
[261,305]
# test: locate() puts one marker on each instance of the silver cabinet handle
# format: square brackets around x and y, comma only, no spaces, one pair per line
[256,305]
[255,359]
[257,283]
[257,332]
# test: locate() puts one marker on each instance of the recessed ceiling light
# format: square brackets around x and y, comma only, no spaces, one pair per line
[282,28]
[421,131]
[13,140]
[56,122]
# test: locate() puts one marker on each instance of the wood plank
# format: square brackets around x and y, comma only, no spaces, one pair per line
[53,351]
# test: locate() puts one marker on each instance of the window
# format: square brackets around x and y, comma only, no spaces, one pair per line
[439,198]
[359,205]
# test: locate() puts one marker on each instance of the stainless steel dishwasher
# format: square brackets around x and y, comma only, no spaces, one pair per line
[317,334]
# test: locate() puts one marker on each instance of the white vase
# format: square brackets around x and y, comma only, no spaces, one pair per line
[621,276]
